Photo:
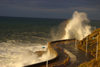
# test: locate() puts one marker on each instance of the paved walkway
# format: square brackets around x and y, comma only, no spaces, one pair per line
[64,51]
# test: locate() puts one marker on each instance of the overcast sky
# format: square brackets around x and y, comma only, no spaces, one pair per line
[49,8]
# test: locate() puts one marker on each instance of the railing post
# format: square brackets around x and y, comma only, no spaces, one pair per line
[97,48]
[86,45]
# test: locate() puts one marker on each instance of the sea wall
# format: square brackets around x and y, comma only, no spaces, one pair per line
[58,56]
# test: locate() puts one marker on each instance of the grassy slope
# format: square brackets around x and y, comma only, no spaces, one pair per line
[91,41]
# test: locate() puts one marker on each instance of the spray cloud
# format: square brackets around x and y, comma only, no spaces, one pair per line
[77,27]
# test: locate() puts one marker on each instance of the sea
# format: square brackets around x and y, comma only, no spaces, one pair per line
[20,37]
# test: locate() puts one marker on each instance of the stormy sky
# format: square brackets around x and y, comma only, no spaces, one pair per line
[49,8]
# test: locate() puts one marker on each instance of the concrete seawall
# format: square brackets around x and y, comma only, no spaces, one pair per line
[59,57]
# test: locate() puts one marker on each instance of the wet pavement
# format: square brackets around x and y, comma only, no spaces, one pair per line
[79,55]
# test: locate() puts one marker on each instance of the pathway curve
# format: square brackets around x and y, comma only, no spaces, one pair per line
[68,55]
[76,56]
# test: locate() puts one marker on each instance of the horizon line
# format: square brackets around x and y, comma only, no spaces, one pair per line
[42,18]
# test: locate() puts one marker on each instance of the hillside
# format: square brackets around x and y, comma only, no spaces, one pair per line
[91,45]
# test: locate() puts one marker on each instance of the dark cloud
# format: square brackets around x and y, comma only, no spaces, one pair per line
[49,8]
